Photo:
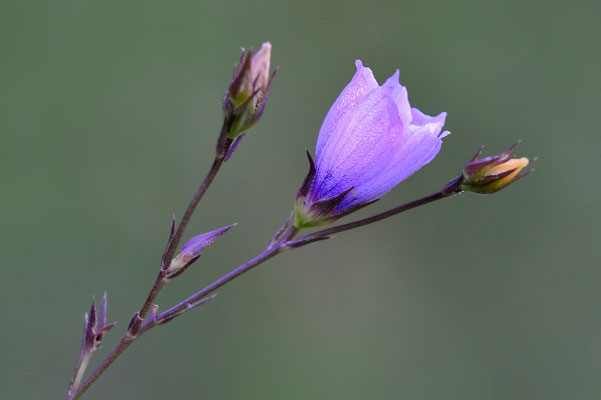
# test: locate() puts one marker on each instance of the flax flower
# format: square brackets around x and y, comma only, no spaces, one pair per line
[370,141]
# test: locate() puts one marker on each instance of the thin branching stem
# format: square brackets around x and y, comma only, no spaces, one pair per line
[75,391]
[369,220]
[285,242]
[185,305]
[177,237]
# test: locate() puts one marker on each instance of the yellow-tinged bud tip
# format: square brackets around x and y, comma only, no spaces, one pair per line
[493,173]
[513,164]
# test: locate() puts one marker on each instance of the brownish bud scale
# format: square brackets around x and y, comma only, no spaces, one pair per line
[491,174]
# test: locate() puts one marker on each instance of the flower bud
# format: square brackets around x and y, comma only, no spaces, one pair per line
[192,249]
[493,173]
[95,327]
[245,99]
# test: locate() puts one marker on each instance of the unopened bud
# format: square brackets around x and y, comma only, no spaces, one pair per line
[245,99]
[192,249]
[493,173]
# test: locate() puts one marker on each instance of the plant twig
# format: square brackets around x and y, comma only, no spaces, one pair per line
[174,240]
[285,242]
[184,305]
[324,234]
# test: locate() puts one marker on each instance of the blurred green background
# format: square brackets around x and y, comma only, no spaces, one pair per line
[109,112]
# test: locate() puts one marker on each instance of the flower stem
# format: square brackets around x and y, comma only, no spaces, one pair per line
[177,236]
[186,304]
[172,245]
[80,369]
[175,240]
[75,391]
[369,220]
[284,243]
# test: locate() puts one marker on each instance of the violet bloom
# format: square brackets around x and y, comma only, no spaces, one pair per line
[369,142]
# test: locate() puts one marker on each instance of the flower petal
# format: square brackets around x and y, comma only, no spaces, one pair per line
[400,96]
[374,134]
[351,96]
[433,124]
[422,143]
[260,67]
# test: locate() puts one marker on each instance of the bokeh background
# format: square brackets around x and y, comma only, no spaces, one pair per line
[109,116]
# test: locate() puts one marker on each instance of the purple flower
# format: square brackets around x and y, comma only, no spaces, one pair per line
[369,142]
